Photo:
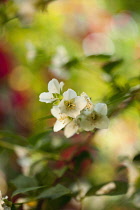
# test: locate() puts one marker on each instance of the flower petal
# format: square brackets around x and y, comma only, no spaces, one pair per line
[55,111]
[86,123]
[101,108]
[61,85]
[54,86]
[46,97]
[80,102]
[102,123]
[70,129]
[69,112]
[58,126]
[69,94]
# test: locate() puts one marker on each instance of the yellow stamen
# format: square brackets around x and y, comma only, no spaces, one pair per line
[70,104]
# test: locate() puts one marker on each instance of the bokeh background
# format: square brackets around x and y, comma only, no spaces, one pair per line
[91,45]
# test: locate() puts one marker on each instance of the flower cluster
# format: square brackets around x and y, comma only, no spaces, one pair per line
[74,113]
[3,202]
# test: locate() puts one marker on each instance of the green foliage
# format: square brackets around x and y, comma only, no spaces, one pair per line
[25,190]
[109,67]
[24,182]
[119,189]
[136,159]
[12,138]
[55,192]
[49,169]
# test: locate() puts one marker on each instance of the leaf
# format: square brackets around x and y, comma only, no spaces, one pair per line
[136,159]
[99,57]
[13,207]
[72,62]
[55,192]
[34,139]
[60,172]
[45,118]
[46,176]
[118,188]
[24,182]
[13,138]
[108,67]
[24,190]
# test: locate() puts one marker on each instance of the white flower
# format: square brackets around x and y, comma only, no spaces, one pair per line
[94,118]
[71,129]
[89,102]
[54,88]
[62,119]
[1,202]
[72,104]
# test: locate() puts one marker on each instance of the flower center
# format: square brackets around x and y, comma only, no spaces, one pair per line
[70,104]
[89,104]
[62,118]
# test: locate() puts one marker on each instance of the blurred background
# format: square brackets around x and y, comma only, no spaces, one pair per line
[91,45]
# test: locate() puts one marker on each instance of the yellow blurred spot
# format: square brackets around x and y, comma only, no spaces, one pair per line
[19,79]
[32,203]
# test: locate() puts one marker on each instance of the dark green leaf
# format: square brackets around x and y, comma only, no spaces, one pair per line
[99,57]
[13,138]
[46,176]
[108,67]
[118,189]
[72,62]
[34,139]
[13,207]
[55,192]
[24,182]
[24,190]
[136,159]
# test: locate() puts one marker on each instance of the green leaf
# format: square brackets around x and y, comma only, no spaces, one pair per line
[60,172]
[119,188]
[55,192]
[108,67]
[72,62]
[13,207]
[99,57]
[24,190]
[46,176]
[45,118]
[136,159]
[34,139]
[24,182]
[13,138]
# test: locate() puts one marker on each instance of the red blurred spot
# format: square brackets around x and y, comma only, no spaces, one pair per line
[68,153]
[19,98]
[3,1]
[5,62]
